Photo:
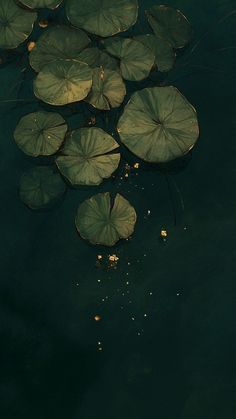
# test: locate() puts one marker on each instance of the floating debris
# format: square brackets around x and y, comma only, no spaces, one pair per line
[97,318]
[31,45]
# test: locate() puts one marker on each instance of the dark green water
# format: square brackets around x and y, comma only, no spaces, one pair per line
[176,358]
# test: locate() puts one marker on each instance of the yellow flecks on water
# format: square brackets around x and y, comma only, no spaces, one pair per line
[126,174]
[102,74]
[118,130]
[92,120]
[113,258]
[31,45]
[99,257]
[163,233]
[136,165]
[43,23]
[97,318]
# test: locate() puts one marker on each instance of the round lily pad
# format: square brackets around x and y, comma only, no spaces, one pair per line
[102,17]
[58,42]
[136,60]
[170,24]
[101,222]
[63,81]
[158,124]
[163,51]
[40,133]
[41,187]
[87,157]
[40,4]
[94,57]
[108,89]
[16,24]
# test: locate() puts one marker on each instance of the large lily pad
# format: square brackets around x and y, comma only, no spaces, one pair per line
[136,60]
[170,24]
[94,57]
[108,89]
[41,187]
[85,159]
[163,51]
[102,17]
[63,81]
[16,24]
[58,42]
[158,124]
[39,4]
[40,133]
[101,223]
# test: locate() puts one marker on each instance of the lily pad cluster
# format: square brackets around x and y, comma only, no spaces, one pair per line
[86,63]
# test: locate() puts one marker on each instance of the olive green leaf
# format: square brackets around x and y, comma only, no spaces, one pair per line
[158,124]
[39,4]
[163,51]
[63,81]
[40,133]
[16,24]
[102,17]
[40,187]
[85,159]
[136,60]
[58,42]
[101,223]
[108,89]
[170,24]
[94,57]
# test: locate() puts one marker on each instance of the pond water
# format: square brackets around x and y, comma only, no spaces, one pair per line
[163,345]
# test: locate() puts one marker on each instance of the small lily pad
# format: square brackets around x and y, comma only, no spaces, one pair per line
[40,4]
[16,24]
[163,51]
[94,57]
[170,24]
[100,222]
[86,157]
[63,81]
[158,124]
[102,17]
[108,89]
[41,187]
[40,133]
[136,60]
[58,42]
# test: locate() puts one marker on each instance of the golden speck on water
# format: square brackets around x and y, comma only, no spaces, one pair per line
[163,233]
[113,258]
[136,165]
[31,45]
[97,318]
[99,257]
[126,174]
[43,23]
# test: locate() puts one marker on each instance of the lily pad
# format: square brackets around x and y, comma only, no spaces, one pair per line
[136,60]
[108,89]
[16,24]
[40,133]
[85,159]
[58,42]
[41,187]
[100,222]
[170,24]
[158,124]
[40,4]
[102,17]
[62,82]
[163,51]
[94,57]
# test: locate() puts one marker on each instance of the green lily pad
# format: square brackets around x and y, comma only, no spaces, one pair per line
[40,4]
[41,187]
[85,159]
[16,24]
[40,133]
[63,81]
[108,89]
[58,42]
[100,222]
[102,17]
[136,60]
[94,57]
[170,24]
[158,124]
[163,51]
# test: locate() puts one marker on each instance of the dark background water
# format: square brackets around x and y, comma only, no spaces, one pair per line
[167,329]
